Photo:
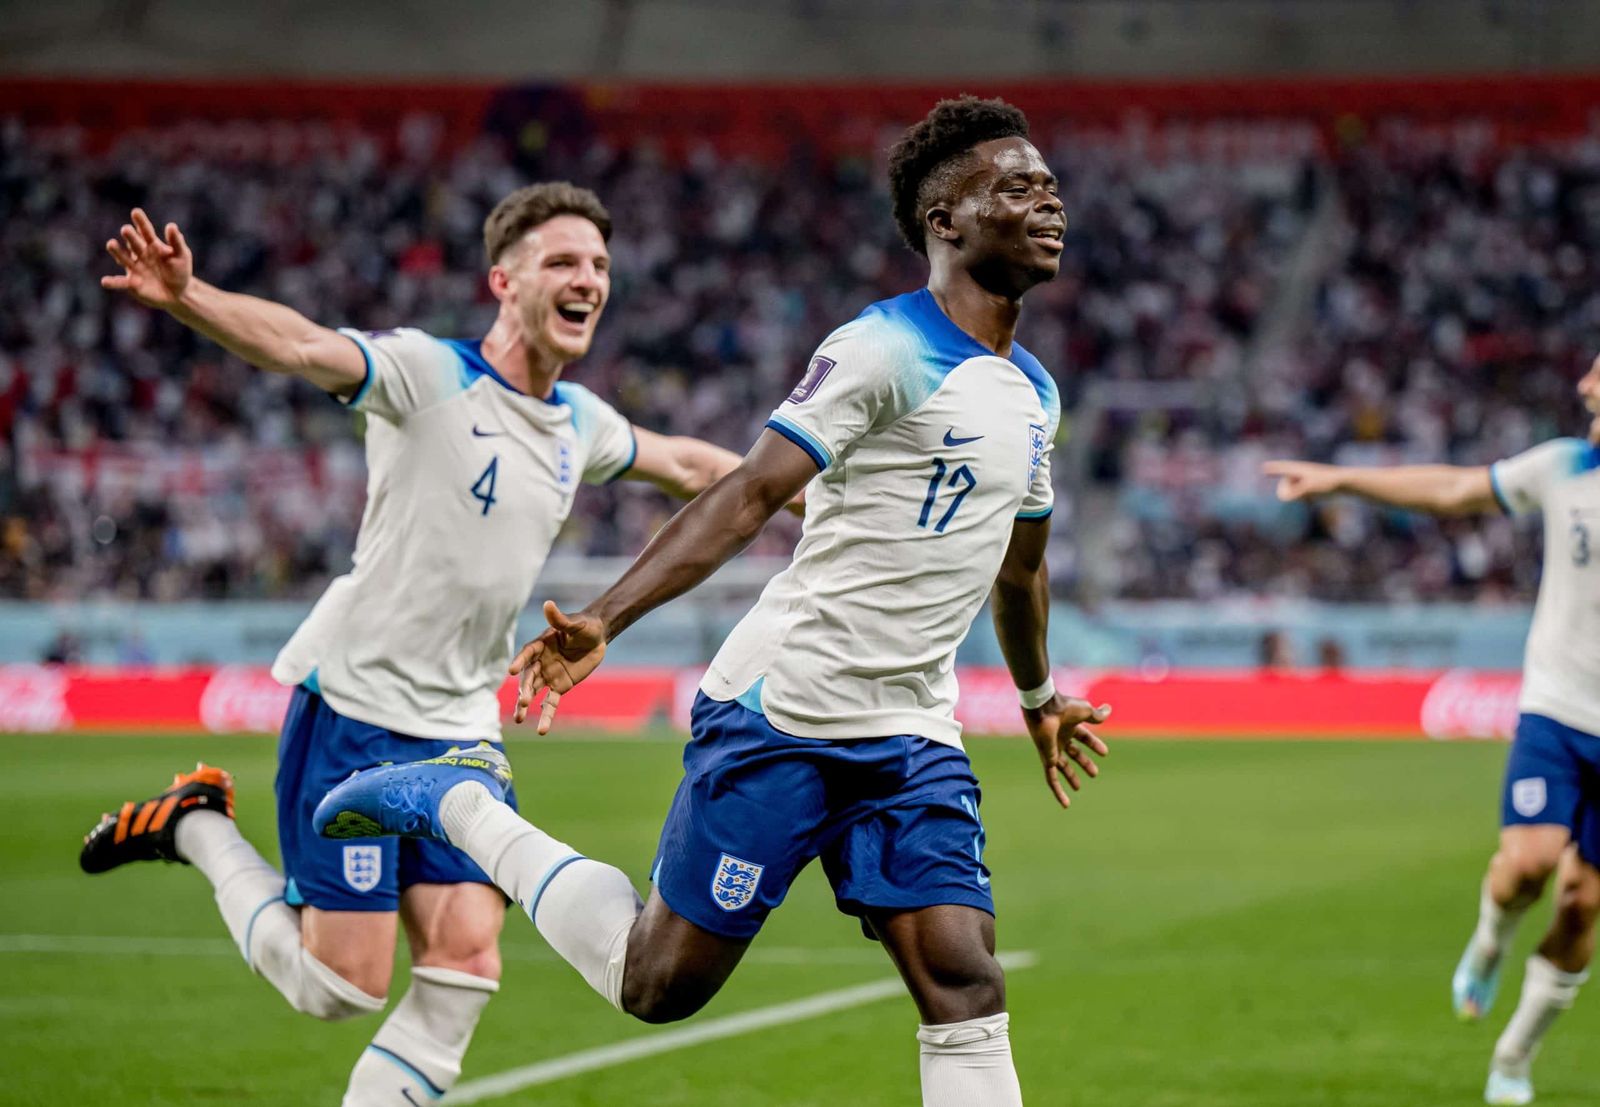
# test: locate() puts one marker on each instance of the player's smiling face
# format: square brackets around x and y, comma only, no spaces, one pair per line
[1589,392]
[557,281]
[1009,217]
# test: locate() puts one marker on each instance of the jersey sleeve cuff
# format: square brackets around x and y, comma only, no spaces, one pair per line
[1499,495]
[802,438]
[633,455]
[366,358]
[1035,514]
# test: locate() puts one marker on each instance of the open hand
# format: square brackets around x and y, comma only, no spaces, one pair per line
[1061,735]
[558,659]
[1302,480]
[156,269]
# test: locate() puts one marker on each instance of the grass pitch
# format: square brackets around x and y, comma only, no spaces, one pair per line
[1217,925]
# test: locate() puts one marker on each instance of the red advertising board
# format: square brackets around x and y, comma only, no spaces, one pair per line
[1184,704]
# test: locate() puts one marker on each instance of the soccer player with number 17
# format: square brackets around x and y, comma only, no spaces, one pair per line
[825,726]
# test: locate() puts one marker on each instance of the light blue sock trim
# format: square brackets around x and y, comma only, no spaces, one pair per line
[538,893]
[250,926]
[408,1068]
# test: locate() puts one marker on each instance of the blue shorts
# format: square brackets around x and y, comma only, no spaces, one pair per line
[1553,778]
[319,748]
[895,821]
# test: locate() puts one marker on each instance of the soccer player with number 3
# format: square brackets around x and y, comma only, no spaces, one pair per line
[826,726]
[474,453]
[1550,805]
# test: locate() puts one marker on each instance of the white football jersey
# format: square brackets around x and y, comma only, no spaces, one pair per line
[468,483]
[1561,667]
[930,446]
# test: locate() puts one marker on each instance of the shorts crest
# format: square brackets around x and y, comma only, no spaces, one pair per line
[1528,796]
[734,884]
[363,867]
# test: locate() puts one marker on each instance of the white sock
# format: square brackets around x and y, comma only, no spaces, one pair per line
[968,1064]
[1496,927]
[416,1055]
[249,893]
[1546,992]
[584,909]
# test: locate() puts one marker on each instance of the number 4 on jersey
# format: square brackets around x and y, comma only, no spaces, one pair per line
[483,487]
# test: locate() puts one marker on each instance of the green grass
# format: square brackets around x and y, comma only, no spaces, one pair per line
[1218,925]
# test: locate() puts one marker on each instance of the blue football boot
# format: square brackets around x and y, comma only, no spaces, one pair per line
[1472,987]
[404,798]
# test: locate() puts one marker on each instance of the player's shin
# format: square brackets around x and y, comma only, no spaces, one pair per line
[250,896]
[583,908]
[968,1064]
[416,1055]
[1497,925]
[1546,992]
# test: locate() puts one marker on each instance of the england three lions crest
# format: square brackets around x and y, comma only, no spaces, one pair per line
[734,884]
[363,867]
[1036,448]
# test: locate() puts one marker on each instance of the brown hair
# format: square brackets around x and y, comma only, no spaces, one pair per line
[527,207]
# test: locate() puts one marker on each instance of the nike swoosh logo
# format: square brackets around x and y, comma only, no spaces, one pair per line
[476,433]
[951,440]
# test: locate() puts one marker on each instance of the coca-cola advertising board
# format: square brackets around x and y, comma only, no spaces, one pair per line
[1453,704]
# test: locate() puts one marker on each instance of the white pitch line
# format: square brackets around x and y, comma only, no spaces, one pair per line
[745,1022]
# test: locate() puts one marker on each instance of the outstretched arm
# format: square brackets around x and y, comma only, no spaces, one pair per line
[1021,605]
[684,467]
[158,271]
[1436,489]
[695,543]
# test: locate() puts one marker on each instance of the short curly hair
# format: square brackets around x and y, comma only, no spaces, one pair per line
[527,207]
[919,162]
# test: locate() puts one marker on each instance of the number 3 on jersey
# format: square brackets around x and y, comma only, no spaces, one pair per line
[483,487]
[961,479]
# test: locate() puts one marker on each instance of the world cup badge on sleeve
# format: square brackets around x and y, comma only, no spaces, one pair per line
[808,384]
[363,867]
[1036,445]
[734,884]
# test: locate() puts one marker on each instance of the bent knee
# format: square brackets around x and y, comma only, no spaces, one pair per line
[657,998]
[1578,901]
[1530,862]
[484,962]
[974,989]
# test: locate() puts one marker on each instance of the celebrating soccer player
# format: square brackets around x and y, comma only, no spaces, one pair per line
[826,725]
[475,450]
[1550,803]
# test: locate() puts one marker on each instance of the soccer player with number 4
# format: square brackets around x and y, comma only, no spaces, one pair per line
[474,453]
[826,724]
[1550,803]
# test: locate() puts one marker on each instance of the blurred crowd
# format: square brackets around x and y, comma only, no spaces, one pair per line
[142,462]
[1453,306]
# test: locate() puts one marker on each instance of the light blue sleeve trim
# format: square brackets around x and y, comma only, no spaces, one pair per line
[1494,486]
[800,437]
[366,356]
[1035,516]
[633,455]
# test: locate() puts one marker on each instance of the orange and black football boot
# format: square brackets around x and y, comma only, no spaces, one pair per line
[148,831]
